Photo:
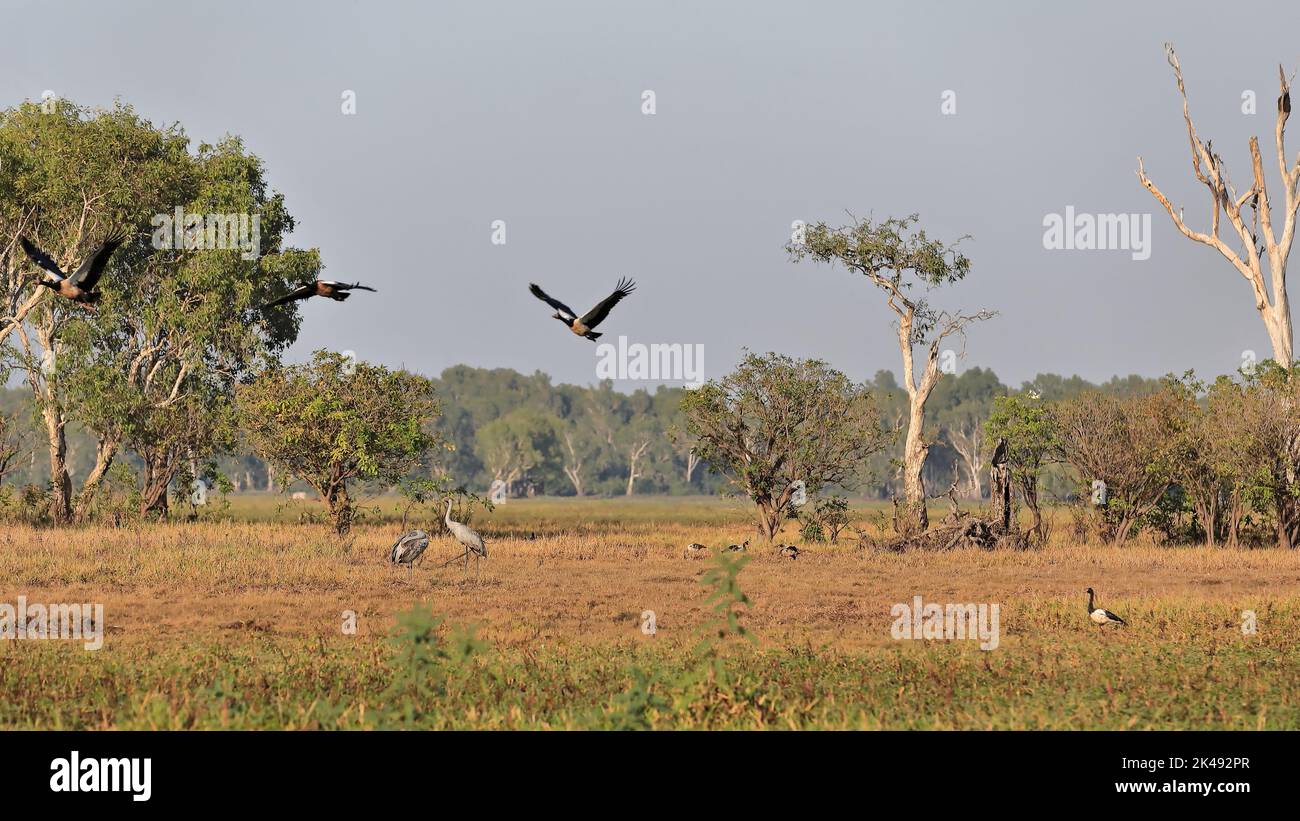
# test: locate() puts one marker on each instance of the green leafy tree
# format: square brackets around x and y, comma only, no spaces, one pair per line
[156,373]
[153,367]
[1131,443]
[580,451]
[334,420]
[775,421]
[1259,444]
[516,445]
[71,178]
[1027,425]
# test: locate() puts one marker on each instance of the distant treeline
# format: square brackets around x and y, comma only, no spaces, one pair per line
[543,438]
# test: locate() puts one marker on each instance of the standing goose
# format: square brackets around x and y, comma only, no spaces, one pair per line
[739,548]
[80,287]
[582,325]
[337,291]
[1099,615]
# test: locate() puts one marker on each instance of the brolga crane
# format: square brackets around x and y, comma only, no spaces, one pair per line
[409,548]
[471,541]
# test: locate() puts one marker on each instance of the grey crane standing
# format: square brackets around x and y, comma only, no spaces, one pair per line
[472,542]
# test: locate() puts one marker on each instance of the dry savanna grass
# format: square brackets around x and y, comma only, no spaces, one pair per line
[257,608]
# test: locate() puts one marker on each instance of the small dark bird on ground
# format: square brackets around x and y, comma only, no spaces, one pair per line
[80,287]
[337,291]
[582,325]
[1101,616]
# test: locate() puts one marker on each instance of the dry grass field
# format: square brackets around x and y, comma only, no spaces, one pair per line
[240,624]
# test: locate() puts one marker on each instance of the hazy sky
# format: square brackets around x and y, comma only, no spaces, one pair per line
[766,113]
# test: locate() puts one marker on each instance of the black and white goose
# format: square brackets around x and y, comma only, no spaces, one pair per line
[408,548]
[80,286]
[694,550]
[788,551]
[739,548]
[582,325]
[337,291]
[1100,616]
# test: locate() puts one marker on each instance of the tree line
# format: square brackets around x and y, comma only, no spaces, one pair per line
[556,439]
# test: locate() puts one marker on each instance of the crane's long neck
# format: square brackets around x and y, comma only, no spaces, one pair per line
[1090,607]
[447,516]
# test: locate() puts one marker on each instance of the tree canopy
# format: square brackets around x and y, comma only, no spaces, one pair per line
[334,420]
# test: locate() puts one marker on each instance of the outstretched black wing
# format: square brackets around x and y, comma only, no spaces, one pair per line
[87,276]
[597,315]
[355,286]
[554,303]
[41,258]
[298,293]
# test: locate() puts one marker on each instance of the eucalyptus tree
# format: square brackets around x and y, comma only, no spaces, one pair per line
[71,177]
[897,258]
[156,372]
[178,325]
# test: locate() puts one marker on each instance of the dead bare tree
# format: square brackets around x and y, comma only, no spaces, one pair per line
[1249,259]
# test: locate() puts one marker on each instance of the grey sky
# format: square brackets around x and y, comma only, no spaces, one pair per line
[766,113]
